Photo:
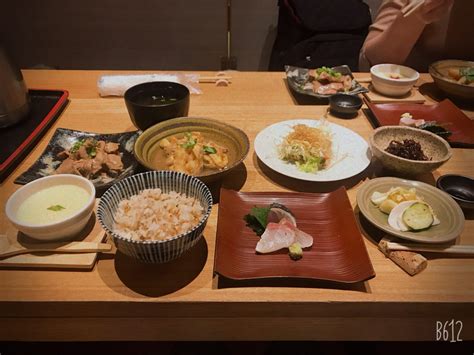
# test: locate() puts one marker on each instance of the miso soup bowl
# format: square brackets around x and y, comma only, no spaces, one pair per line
[64,229]
[156,101]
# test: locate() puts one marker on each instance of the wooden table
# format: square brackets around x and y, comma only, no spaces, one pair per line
[124,300]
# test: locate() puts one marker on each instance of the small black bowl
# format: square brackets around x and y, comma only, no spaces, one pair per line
[344,105]
[460,188]
[156,101]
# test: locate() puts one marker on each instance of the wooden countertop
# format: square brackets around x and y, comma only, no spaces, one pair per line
[123,300]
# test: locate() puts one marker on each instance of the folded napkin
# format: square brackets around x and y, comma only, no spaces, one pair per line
[116,85]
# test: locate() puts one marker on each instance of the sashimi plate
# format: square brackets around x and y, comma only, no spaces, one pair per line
[350,152]
[338,252]
[446,209]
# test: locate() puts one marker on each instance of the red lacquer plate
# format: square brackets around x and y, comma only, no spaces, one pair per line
[338,252]
[444,113]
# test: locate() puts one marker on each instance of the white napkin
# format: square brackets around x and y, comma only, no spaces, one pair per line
[116,85]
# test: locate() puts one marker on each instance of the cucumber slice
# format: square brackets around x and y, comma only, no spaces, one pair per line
[418,216]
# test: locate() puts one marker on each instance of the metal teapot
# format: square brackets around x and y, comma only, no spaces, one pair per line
[14,99]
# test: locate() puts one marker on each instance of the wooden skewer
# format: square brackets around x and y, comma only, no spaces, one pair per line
[452,249]
[411,7]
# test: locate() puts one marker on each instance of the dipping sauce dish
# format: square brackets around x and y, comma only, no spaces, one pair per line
[459,187]
[344,105]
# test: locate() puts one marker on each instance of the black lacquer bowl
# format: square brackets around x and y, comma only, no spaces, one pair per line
[156,101]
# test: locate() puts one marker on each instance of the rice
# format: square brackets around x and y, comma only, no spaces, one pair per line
[154,215]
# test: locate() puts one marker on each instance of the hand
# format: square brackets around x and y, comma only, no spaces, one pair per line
[433,10]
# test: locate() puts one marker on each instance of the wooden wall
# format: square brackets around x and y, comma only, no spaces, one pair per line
[115,34]
[138,34]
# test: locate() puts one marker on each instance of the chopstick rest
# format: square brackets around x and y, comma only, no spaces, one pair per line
[413,263]
[220,79]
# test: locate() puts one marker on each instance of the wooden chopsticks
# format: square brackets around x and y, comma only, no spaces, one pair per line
[411,7]
[406,256]
[213,79]
[441,249]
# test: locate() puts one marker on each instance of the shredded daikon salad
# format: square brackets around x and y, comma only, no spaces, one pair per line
[309,148]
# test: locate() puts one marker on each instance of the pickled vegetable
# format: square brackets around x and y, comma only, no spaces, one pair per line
[418,216]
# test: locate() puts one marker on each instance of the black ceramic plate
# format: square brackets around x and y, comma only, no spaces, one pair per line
[64,138]
[298,80]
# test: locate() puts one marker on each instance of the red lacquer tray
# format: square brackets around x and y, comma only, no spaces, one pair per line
[18,140]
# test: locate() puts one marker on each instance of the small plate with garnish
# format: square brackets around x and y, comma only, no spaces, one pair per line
[410,210]
[101,158]
[312,150]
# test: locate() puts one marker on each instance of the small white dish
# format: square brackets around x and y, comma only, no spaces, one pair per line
[351,153]
[393,79]
[64,228]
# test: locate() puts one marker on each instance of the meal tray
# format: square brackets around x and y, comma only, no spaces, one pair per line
[18,140]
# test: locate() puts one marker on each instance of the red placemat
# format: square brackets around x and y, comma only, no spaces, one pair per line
[19,139]
[444,113]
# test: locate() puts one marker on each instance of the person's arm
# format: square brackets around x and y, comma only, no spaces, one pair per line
[392,37]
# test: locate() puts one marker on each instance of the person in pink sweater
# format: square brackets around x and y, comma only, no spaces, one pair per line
[438,29]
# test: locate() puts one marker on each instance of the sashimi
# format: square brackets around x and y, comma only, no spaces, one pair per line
[302,238]
[277,227]
[276,236]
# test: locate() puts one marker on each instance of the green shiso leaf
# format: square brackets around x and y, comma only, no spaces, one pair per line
[257,219]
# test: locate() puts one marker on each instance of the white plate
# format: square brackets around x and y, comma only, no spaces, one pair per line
[351,153]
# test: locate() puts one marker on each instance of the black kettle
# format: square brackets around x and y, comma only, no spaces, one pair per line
[14,99]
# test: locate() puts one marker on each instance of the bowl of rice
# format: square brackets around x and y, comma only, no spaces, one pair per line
[156,216]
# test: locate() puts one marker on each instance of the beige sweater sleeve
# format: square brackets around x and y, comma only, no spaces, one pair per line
[409,41]
[387,12]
